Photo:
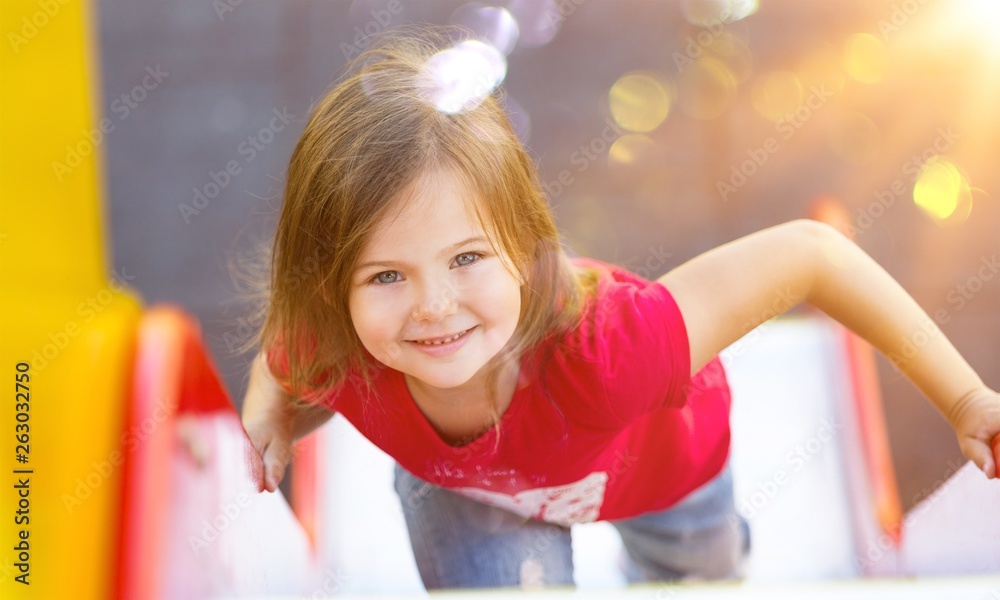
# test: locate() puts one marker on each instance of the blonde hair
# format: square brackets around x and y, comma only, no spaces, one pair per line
[367,139]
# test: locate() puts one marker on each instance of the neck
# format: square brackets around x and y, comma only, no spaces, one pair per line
[464,413]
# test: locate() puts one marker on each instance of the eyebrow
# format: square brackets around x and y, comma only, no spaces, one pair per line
[390,263]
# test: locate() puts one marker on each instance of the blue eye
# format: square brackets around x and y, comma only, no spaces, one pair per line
[379,280]
[476,256]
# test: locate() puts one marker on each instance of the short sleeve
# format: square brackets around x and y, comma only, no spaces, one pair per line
[646,354]
[278,363]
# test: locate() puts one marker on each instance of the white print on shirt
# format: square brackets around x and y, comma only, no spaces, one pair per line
[443,470]
[577,502]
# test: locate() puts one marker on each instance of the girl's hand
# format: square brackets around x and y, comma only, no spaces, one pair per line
[273,421]
[271,435]
[976,420]
[268,422]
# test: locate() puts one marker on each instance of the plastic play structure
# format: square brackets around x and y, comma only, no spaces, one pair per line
[140,472]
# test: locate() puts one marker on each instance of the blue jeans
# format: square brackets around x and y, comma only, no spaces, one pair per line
[462,543]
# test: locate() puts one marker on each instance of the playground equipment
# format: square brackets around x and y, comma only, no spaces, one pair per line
[132,459]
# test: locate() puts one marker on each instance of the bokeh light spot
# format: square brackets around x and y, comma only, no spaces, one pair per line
[639,102]
[865,58]
[630,148]
[538,21]
[493,25]
[708,13]
[705,88]
[732,50]
[942,191]
[458,79]
[777,94]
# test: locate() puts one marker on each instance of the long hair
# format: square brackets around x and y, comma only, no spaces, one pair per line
[373,134]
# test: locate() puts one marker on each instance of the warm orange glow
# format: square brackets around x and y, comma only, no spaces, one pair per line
[855,138]
[822,68]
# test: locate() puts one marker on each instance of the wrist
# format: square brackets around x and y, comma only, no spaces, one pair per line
[959,409]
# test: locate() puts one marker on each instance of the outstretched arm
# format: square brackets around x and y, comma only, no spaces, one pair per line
[274,423]
[730,290]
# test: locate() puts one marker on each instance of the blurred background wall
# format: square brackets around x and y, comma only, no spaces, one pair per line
[660,132]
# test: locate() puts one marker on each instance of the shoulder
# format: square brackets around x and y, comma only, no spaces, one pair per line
[626,304]
[633,329]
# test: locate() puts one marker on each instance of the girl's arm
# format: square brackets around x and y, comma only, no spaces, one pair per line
[273,423]
[730,290]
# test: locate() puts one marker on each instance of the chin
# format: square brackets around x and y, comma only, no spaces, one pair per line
[440,378]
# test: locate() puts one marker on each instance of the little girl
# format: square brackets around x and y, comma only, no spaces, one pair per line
[419,287]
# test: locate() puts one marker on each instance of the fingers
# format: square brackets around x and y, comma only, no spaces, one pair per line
[255,466]
[253,459]
[996,456]
[266,458]
[276,457]
[979,453]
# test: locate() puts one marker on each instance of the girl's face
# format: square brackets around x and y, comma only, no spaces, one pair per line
[430,273]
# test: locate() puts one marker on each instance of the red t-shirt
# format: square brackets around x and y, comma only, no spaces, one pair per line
[622,431]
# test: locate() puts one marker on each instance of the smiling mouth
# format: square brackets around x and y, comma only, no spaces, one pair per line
[442,340]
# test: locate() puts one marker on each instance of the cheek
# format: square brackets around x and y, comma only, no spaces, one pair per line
[376,324]
[497,291]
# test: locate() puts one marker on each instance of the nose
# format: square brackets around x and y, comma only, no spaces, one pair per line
[435,303]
